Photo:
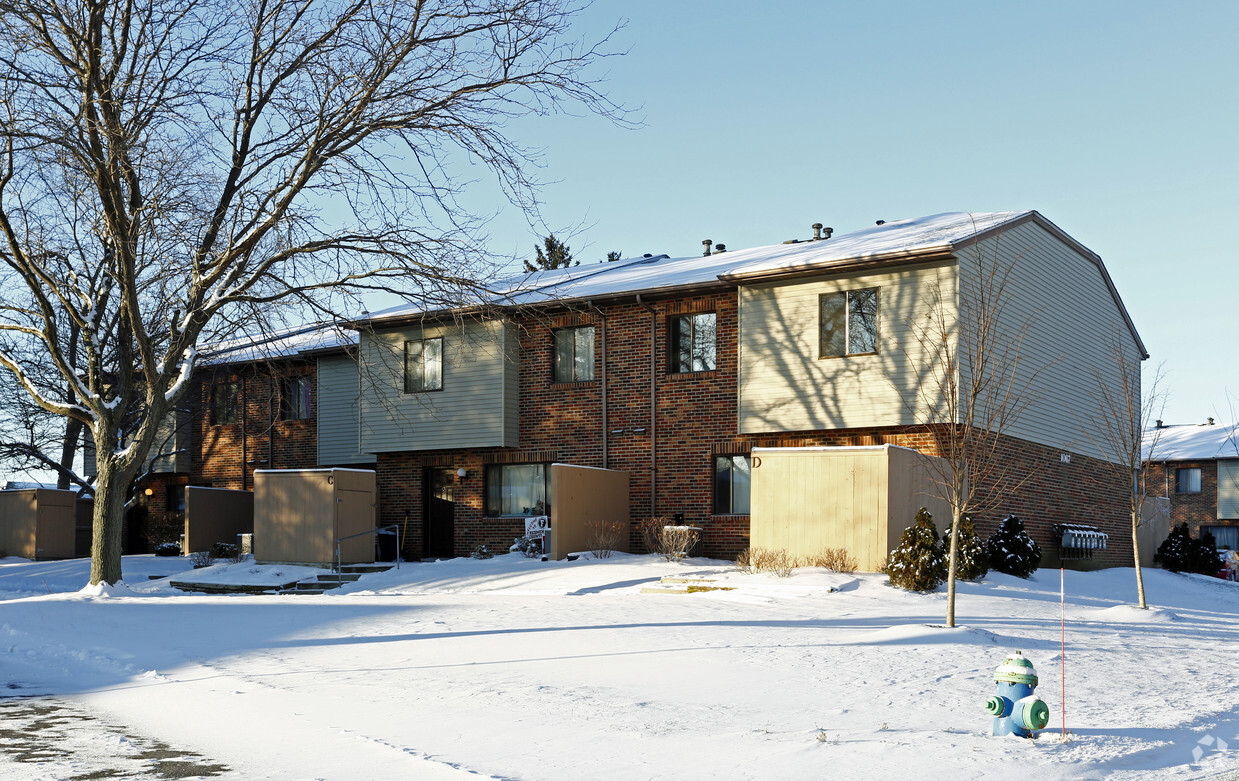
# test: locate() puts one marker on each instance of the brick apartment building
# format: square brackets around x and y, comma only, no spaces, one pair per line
[671,370]
[1196,466]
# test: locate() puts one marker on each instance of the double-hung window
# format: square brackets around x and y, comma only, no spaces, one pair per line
[732,481]
[693,339]
[295,401]
[574,354]
[848,323]
[517,489]
[225,403]
[423,365]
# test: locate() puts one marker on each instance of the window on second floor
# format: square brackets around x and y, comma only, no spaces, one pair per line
[517,489]
[225,403]
[692,343]
[848,323]
[295,399]
[423,365]
[732,485]
[1187,480]
[574,354]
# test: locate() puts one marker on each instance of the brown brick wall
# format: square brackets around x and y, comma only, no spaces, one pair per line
[1195,510]
[696,418]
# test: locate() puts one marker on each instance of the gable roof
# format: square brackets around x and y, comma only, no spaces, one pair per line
[285,343]
[1192,442]
[891,243]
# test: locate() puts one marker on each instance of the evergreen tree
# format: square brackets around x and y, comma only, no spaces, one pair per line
[972,561]
[918,564]
[552,254]
[1180,553]
[1012,551]
[613,255]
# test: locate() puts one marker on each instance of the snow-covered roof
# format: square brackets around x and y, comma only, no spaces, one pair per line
[894,240]
[1192,442]
[279,344]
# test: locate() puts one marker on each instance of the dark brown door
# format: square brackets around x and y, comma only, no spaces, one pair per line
[440,515]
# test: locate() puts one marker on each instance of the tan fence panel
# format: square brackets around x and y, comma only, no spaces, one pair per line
[298,515]
[581,496]
[38,523]
[216,515]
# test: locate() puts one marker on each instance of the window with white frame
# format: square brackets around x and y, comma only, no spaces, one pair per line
[574,354]
[848,323]
[423,365]
[732,481]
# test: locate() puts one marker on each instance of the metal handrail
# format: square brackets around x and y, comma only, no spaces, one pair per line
[375,531]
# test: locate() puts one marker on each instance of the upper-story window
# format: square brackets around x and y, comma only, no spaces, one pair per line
[693,339]
[295,401]
[849,323]
[574,354]
[1187,480]
[225,403]
[423,365]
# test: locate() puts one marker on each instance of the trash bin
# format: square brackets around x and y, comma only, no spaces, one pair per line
[385,540]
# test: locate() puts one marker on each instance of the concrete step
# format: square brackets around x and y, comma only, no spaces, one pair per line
[366,569]
[342,577]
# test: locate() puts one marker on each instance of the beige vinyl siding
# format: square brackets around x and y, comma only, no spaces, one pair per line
[783,384]
[477,406]
[1227,489]
[1068,326]
[339,425]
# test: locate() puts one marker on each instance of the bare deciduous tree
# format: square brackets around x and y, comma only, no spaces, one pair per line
[169,169]
[970,387]
[1121,431]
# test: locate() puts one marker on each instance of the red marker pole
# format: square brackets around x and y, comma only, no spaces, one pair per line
[1062,604]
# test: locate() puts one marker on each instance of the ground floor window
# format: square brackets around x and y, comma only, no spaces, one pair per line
[1227,537]
[517,489]
[731,485]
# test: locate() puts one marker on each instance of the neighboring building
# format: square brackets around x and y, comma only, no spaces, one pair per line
[284,401]
[1197,467]
[674,369]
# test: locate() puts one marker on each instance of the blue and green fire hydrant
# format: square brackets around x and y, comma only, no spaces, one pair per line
[1016,710]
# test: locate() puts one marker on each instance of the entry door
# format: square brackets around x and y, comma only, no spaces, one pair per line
[440,513]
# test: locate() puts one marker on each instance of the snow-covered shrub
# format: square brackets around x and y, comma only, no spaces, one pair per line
[1180,553]
[168,549]
[918,564]
[677,541]
[651,530]
[226,550]
[971,554]
[1012,551]
[529,547]
[481,552]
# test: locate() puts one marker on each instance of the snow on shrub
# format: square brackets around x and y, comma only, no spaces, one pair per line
[1180,553]
[971,555]
[918,564]
[1012,551]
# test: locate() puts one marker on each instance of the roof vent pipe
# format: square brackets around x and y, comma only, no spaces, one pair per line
[1160,424]
[817,231]
[707,244]
[828,233]
[720,248]
[880,222]
[1210,421]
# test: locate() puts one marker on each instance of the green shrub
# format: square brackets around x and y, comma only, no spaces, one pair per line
[918,563]
[1012,551]
[971,555]
[1180,553]
[482,552]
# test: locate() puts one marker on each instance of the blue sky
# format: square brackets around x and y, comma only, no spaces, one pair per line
[1117,120]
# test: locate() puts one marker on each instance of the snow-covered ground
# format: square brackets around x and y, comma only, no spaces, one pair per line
[519,669]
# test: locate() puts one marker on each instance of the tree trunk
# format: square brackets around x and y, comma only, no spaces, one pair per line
[1135,549]
[108,522]
[950,568]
